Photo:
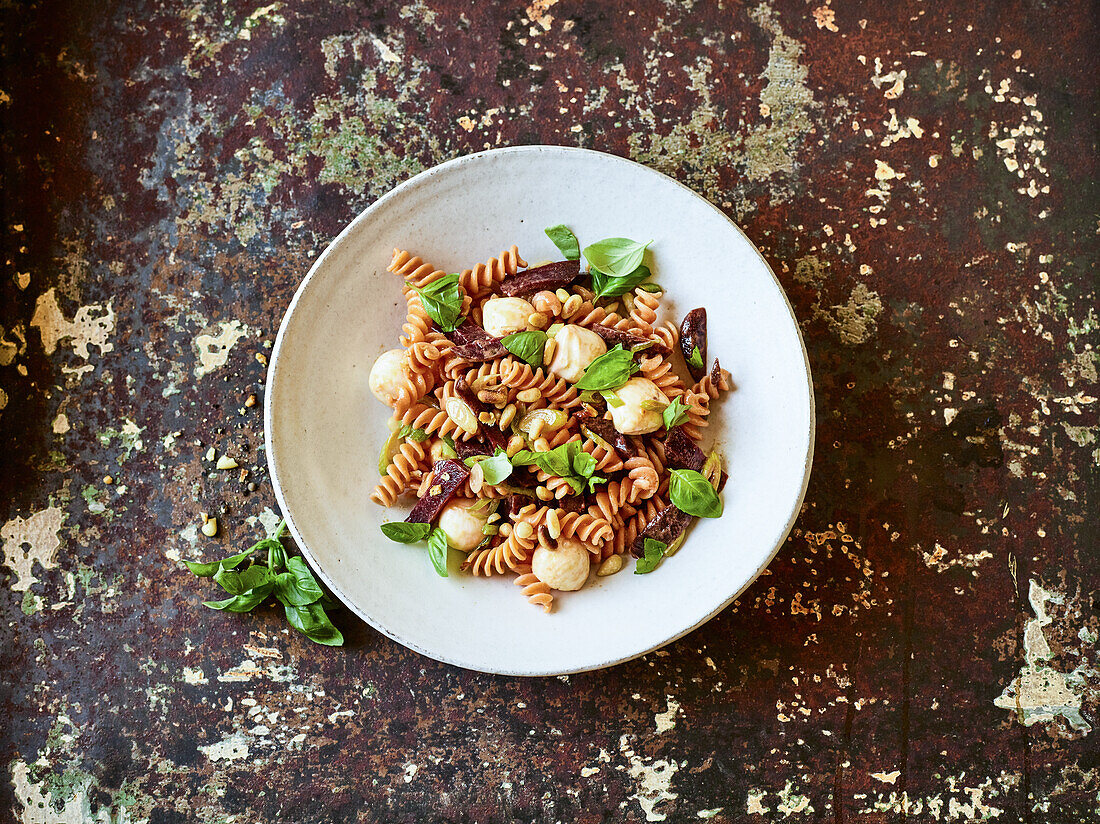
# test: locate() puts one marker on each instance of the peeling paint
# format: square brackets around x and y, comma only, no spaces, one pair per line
[92,325]
[31,540]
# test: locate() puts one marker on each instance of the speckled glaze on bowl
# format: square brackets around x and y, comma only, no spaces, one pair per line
[324,429]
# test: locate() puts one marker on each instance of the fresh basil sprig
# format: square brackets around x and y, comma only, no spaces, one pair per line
[654,554]
[616,256]
[696,358]
[567,461]
[442,300]
[527,346]
[692,493]
[406,533]
[607,286]
[565,240]
[675,413]
[608,371]
[287,578]
[496,469]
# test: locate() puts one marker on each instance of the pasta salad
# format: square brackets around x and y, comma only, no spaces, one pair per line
[541,420]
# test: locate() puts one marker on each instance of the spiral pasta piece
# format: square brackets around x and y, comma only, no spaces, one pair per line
[483,277]
[712,387]
[413,269]
[554,391]
[547,303]
[585,527]
[404,470]
[643,311]
[659,370]
[668,334]
[534,590]
[607,460]
[430,419]
[642,480]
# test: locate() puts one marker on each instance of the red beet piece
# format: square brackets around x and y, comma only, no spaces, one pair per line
[693,334]
[681,451]
[474,343]
[448,476]
[551,276]
[665,527]
[614,336]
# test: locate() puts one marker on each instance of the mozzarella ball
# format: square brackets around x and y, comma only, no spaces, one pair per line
[629,417]
[564,568]
[577,348]
[463,526]
[389,375]
[503,316]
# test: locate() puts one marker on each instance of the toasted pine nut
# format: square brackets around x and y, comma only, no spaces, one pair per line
[492,519]
[493,396]
[541,445]
[545,539]
[571,306]
[563,296]
[524,531]
[477,478]
[538,320]
[610,566]
[528,395]
[505,530]
[209,526]
[544,494]
[507,415]
[538,426]
[553,524]
[549,349]
[515,444]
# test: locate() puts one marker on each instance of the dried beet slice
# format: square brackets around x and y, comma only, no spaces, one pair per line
[615,336]
[607,432]
[551,276]
[665,527]
[489,433]
[447,476]
[473,343]
[693,334]
[572,503]
[472,449]
[681,452]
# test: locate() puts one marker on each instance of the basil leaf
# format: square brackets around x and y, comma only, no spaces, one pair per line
[527,346]
[496,469]
[606,286]
[652,288]
[654,553]
[555,462]
[612,399]
[303,588]
[312,621]
[450,451]
[442,300]
[675,413]
[609,371]
[696,358]
[616,256]
[594,481]
[405,533]
[238,583]
[437,551]
[209,570]
[415,435]
[584,465]
[565,240]
[245,601]
[690,492]
[525,457]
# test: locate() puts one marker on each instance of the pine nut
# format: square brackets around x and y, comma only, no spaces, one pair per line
[541,445]
[485,417]
[477,478]
[209,526]
[544,494]
[524,531]
[538,320]
[528,395]
[515,444]
[571,306]
[553,524]
[563,296]
[538,426]
[492,519]
[549,350]
[507,415]
[493,396]
[609,567]
[505,530]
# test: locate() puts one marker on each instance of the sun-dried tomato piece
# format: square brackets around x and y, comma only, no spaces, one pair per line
[693,335]
[447,476]
[681,452]
[606,431]
[666,527]
[551,276]
[614,336]
[475,344]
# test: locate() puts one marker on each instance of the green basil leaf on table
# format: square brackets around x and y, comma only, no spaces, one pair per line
[209,570]
[496,469]
[675,413]
[654,553]
[606,286]
[527,346]
[442,300]
[696,358]
[405,533]
[238,583]
[312,621]
[608,371]
[437,551]
[297,585]
[565,240]
[245,601]
[615,256]
[692,493]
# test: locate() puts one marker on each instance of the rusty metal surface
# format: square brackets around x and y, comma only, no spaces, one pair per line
[920,175]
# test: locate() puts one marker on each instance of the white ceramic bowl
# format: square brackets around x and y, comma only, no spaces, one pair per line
[324,428]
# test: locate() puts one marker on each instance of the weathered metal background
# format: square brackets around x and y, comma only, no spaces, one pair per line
[920,174]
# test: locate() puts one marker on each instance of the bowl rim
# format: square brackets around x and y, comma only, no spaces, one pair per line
[419,180]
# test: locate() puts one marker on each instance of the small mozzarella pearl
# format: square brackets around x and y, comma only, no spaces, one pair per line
[576,348]
[389,375]
[629,417]
[564,568]
[463,527]
[503,316]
